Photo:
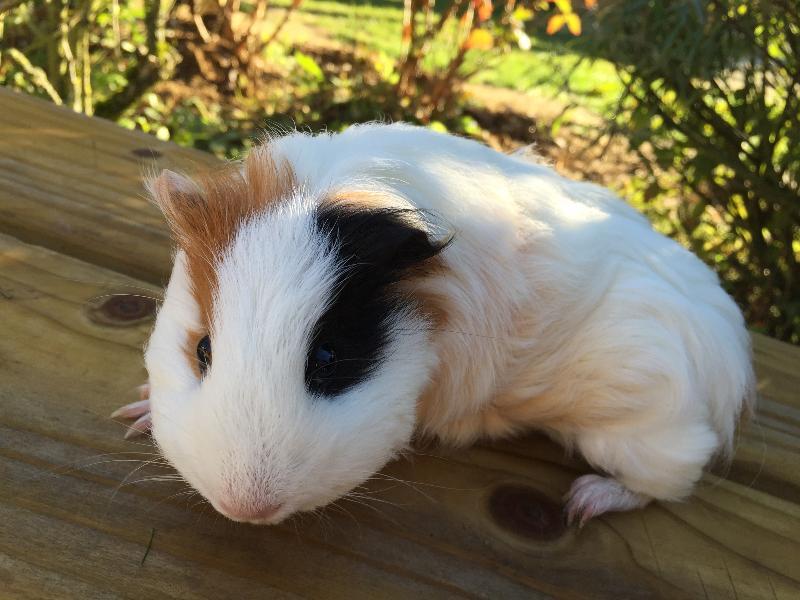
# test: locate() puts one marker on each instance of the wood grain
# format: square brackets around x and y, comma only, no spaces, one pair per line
[74,184]
[77,514]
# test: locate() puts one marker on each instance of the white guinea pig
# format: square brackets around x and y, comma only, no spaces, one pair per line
[334,295]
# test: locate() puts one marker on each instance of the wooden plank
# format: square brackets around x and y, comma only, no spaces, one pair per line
[54,428]
[74,184]
[481,522]
[435,536]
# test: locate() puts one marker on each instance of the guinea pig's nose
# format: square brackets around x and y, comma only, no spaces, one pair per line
[248,513]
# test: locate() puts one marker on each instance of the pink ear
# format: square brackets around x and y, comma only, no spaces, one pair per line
[169,188]
[181,202]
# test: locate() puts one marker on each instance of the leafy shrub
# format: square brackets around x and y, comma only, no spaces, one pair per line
[94,56]
[101,57]
[204,73]
[712,103]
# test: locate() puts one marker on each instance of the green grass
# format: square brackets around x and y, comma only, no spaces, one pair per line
[377,25]
[373,26]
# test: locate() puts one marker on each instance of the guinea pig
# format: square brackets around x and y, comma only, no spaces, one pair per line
[335,295]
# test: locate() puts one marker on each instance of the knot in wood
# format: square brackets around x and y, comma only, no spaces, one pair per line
[146,153]
[122,309]
[526,512]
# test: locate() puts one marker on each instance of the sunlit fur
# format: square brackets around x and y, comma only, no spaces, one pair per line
[556,307]
[249,434]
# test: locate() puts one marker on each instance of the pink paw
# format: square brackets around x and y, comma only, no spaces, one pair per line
[139,410]
[593,495]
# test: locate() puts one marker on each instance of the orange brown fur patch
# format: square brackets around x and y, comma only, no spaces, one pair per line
[205,212]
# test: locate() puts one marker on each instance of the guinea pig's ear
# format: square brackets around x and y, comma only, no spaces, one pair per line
[392,239]
[169,182]
[179,199]
[404,239]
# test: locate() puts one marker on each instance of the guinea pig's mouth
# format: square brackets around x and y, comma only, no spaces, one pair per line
[270,514]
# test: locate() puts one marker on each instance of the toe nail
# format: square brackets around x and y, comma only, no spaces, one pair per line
[132,433]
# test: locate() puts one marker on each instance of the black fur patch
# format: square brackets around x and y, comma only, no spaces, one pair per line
[375,249]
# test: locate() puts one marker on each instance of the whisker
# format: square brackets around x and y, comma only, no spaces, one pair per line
[124,482]
[371,498]
[440,330]
[80,464]
[403,482]
[347,498]
[427,484]
[111,295]
[334,505]
[111,284]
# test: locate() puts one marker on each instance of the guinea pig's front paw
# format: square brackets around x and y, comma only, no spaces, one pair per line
[139,410]
[593,495]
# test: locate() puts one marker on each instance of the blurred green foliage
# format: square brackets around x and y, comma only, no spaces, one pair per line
[94,56]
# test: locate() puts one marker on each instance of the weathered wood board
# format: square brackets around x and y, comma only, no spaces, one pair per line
[74,184]
[76,519]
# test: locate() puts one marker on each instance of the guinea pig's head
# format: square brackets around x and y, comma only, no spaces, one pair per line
[286,362]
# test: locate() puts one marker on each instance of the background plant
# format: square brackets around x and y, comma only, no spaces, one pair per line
[462,30]
[102,57]
[711,103]
[94,56]
[688,107]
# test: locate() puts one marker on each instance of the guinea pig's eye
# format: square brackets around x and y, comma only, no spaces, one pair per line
[204,354]
[322,362]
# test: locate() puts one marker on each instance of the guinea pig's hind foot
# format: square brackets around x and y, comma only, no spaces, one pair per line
[593,495]
[139,410]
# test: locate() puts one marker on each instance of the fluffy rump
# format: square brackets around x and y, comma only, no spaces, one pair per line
[558,308]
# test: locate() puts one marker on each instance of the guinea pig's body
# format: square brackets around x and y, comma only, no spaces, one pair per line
[354,289]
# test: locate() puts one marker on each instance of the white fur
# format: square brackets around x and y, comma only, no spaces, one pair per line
[249,434]
[566,313]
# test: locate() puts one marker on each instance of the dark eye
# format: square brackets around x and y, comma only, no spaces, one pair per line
[322,362]
[204,354]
